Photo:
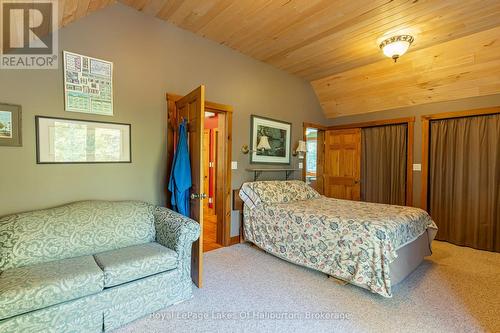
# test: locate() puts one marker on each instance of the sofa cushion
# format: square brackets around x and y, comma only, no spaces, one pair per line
[35,287]
[77,229]
[135,262]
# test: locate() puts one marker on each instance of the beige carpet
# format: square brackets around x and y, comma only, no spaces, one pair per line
[457,289]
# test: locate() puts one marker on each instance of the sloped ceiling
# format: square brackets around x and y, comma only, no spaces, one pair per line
[334,44]
[72,10]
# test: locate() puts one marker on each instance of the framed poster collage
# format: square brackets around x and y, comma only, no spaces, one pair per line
[88,88]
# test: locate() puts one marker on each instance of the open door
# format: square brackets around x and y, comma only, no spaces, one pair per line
[192,108]
[343,164]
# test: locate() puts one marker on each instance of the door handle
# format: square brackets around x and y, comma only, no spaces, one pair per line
[198,196]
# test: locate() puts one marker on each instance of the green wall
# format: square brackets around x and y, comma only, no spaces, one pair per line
[151,57]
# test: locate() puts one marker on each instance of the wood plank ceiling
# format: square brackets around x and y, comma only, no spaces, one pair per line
[72,10]
[332,43]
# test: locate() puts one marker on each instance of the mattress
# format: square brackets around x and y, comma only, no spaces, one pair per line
[373,246]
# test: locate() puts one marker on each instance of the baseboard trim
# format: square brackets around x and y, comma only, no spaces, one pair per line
[234,240]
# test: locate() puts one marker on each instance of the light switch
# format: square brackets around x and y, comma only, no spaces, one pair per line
[417,167]
[234,165]
[301,165]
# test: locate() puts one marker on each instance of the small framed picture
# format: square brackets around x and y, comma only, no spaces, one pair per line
[69,141]
[10,125]
[271,141]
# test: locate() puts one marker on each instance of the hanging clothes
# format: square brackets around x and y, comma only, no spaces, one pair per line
[180,175]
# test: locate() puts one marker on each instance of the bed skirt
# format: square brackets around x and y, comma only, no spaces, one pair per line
[411,256]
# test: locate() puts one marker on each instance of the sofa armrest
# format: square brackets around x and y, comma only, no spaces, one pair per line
[178,233]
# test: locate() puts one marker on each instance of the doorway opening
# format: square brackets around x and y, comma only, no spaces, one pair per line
[213,136]
[314,137]
[460,163]
[212,235]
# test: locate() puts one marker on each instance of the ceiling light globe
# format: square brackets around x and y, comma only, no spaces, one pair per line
[396,46]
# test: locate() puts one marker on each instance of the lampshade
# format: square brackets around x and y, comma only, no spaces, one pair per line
[301,148]
[396,46]
[263,143]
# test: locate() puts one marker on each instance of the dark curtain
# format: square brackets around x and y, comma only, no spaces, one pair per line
[464,181]
[383,164]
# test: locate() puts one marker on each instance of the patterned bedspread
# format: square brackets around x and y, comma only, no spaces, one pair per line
[351,240]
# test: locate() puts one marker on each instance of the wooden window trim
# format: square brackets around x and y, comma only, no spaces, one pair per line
[426,119]
[313,125]
[305,126]
[409,163]
[410,122]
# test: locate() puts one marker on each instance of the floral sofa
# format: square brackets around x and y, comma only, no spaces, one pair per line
[92,266]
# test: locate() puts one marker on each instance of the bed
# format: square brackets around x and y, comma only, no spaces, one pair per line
[374,246]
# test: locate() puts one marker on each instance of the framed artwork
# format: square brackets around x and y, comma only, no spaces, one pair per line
[88,84]
[270,140]
[60,140]
[10,125]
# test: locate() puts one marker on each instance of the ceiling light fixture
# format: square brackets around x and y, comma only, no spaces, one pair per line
[396,46]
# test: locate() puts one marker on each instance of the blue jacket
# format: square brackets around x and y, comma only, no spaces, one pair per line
[180,176]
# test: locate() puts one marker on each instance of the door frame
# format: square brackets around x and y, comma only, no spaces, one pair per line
[305,126]
[223,164]
[410,122]
[426,133]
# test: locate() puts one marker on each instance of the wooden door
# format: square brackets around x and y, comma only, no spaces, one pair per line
[192,108]
[343,164]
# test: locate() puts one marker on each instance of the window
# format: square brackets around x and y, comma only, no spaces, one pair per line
[312,154]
